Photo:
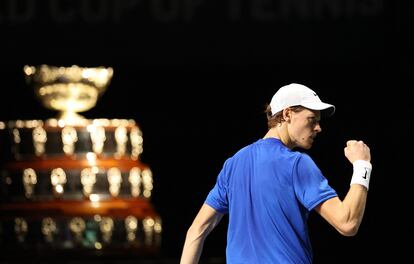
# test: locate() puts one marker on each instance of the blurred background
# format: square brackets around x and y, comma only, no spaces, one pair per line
[196,76]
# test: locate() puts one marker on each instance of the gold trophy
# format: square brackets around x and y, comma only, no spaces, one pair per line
[81,176]
[68,90]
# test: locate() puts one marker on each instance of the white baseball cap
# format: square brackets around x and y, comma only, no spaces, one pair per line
[297,94]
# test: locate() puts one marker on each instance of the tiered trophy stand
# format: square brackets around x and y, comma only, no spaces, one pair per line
[73,186]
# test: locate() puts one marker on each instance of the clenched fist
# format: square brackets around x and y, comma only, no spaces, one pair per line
[357,150]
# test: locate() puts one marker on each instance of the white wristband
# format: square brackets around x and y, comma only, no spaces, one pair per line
[362,173]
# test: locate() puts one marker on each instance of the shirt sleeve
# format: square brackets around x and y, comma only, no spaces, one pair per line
[311,187]
[218,196]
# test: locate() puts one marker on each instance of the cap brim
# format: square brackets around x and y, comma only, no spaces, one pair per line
[327,109]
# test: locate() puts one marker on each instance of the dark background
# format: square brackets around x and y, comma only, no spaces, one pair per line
[196,75]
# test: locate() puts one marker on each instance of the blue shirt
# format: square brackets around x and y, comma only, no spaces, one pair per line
[268,191]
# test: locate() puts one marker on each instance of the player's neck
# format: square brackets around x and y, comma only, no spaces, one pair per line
[279,132]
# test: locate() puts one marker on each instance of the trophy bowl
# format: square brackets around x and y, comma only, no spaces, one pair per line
[68,90]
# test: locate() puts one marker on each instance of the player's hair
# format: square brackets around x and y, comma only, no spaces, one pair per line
[273,120]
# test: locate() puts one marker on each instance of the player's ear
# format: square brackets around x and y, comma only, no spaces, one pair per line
[287,112]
